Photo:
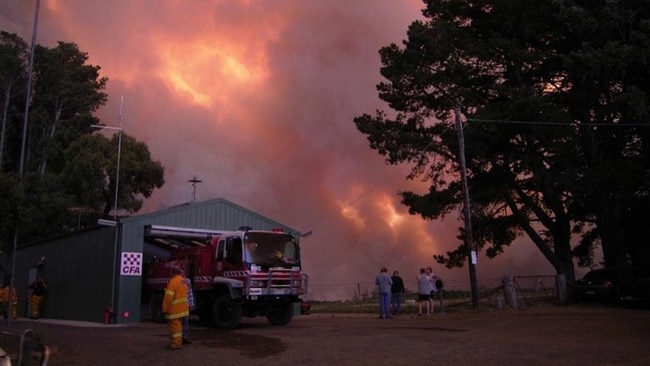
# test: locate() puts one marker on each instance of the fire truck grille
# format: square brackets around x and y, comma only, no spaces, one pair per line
[280,283]
[277,280]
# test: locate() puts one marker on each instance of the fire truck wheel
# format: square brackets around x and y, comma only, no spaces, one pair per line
[226,312]
[280,313]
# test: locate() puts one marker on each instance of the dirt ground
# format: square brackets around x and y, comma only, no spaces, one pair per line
[542,335]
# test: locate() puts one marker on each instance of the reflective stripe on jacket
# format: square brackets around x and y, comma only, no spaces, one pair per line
[174,304]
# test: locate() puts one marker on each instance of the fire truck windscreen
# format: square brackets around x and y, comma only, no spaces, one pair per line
[271,249]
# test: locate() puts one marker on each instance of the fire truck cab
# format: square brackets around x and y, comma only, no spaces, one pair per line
[235,274]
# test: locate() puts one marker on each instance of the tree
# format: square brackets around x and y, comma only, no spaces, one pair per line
[13,56]
[507,61]
[608,74]
[10,196]
[67,92]
[85,189]
[70,173]
[44,209]
[90,172]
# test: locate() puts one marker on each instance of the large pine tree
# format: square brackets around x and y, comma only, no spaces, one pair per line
[555,97]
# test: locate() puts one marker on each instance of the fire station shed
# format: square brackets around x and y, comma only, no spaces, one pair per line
[96,274]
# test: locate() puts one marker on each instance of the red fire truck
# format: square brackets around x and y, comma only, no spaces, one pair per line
[234,274]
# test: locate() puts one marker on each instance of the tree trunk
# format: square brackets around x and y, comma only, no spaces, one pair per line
[609,224]
[49,137]
[3,128]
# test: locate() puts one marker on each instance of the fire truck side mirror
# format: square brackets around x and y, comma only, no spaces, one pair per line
[220,249]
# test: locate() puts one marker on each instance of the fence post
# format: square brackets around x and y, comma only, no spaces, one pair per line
[442,306]
[359,295]
[560,285]
[509,291]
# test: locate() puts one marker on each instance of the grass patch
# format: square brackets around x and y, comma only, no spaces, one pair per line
[453,301]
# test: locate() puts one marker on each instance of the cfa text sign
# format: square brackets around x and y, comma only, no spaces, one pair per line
[131,264]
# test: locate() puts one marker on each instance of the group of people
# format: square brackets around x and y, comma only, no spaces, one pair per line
[177,304]
[36,295]
[391,292]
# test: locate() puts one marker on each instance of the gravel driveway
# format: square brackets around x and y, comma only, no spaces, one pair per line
[548,335]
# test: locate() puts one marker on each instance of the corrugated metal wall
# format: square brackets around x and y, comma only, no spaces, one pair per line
[78,271]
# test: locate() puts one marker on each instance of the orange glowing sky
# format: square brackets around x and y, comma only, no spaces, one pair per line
[256,99]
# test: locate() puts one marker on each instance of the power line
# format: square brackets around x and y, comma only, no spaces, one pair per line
[555,123]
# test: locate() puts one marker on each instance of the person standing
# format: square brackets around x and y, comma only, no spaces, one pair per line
[175,307]
[397,293]
[435,280]
[424,292]
[191,305]
[3,303]
[384,283]
[4,294]
[37,295]
[432,287]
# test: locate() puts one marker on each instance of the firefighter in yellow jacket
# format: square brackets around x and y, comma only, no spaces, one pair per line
[175,307]
[4,297]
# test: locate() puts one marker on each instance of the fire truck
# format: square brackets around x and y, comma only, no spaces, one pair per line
[234,274]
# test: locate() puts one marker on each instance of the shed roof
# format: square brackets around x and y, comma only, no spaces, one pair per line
[217,213]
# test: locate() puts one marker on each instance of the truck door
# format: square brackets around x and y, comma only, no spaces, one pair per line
[234,253]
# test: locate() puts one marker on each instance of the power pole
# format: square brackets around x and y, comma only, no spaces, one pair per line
[21,170]
[467,212]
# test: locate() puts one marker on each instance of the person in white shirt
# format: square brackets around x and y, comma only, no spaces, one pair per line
[424,292]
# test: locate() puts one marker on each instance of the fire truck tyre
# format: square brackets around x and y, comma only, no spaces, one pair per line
[156,308]
[226,312]
[280,313]
[205,315]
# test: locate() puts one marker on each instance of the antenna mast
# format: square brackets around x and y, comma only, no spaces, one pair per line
[194,181]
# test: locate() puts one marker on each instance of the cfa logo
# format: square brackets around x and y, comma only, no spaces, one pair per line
[131,264]
[130,270]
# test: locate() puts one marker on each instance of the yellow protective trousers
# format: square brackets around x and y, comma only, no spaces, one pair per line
[37,302]
[175,327]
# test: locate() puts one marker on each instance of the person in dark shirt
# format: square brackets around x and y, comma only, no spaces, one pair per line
[397,293]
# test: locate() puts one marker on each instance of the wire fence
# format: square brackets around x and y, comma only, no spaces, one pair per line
[529,290]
